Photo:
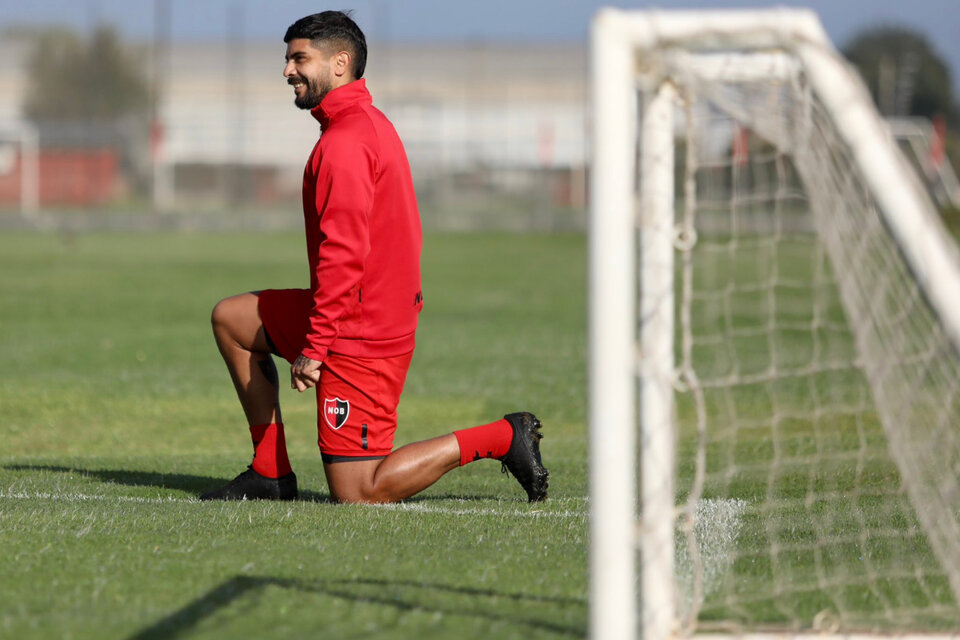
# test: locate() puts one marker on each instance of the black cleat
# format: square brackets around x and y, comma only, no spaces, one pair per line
[523,459]
[250,485]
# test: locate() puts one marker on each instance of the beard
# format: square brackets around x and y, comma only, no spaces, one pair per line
[315,91]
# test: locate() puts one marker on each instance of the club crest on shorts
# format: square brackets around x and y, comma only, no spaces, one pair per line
[336,412]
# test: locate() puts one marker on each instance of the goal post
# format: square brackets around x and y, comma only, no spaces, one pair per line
[774,338]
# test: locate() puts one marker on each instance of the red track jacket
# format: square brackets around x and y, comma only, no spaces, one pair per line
[363,232]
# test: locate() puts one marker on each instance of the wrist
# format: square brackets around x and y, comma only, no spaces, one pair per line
[313,354]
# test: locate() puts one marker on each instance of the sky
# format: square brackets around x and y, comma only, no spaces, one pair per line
[462,20]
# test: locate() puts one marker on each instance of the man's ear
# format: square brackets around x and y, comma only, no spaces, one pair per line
[342,63]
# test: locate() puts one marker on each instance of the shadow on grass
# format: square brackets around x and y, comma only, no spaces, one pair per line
[416,596]
[459,497]
[197,485]
[185,482]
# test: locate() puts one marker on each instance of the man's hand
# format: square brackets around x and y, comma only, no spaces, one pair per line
[304,373]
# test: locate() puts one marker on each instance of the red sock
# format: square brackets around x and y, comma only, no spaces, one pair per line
[487,441]
[270,450]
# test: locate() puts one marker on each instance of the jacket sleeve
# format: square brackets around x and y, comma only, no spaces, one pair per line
[344,200]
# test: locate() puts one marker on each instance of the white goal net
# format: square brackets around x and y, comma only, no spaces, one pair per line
[774,333]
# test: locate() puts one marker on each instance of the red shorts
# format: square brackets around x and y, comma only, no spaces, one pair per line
[357,398]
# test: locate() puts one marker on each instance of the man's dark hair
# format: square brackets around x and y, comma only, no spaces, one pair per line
[336,29]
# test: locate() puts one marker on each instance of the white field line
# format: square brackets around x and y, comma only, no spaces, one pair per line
[416,507]
[86,497]
[717,525]
[420,507]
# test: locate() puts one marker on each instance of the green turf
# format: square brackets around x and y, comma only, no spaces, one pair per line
[826,531]
[117,412]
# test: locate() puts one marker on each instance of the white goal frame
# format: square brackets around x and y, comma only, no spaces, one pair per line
[625,49]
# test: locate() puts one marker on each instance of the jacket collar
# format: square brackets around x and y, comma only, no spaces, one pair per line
[339,99]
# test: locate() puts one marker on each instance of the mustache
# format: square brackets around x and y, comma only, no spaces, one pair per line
[293,81]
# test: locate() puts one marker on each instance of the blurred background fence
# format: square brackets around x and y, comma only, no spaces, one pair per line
[216,140]
[99,128]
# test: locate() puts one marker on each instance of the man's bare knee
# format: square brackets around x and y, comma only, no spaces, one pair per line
[356,483]
[219,317]
[355,494]
[236,320]
[222,319]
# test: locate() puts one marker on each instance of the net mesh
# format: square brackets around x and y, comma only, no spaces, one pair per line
[818,398]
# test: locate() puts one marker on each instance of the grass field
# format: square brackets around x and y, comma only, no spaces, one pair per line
[824,535]
[117,412]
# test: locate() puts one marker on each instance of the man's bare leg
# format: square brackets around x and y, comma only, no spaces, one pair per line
[242,340]
[405,472]
[414,467]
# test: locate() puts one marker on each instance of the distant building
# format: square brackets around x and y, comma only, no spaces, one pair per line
[504,116]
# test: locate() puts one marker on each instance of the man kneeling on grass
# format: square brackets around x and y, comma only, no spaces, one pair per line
[351,334]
